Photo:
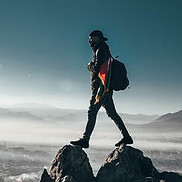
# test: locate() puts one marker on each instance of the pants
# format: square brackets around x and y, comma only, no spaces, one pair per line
[108,104]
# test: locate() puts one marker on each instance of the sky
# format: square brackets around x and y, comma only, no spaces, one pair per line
[44,52]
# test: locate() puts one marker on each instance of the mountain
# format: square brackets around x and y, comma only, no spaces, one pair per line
[171,117]
[133,118]
[49,112]
[12,115]
[171,122]
[37,109]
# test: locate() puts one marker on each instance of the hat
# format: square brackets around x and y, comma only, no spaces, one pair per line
[98,33]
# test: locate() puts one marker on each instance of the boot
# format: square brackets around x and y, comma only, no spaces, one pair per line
[81,142]
[125,140]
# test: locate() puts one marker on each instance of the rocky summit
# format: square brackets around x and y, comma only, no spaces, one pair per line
[124,164]
[71,164]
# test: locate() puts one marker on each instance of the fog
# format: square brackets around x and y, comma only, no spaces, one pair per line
[105,134]
[29,143]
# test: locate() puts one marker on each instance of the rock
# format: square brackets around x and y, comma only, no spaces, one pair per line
[170,177]
[45,177]
[1,179]
[126,165]
[68,179]
[71,164]
[149,179]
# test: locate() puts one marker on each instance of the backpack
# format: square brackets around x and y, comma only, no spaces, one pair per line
[119,79]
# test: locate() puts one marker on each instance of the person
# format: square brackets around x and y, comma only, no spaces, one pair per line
[101,94]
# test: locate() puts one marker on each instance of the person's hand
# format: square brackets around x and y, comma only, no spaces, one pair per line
[89,66]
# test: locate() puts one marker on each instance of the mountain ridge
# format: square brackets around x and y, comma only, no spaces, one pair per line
[176,116]
[57,114]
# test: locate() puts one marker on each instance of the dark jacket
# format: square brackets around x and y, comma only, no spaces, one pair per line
[101,53]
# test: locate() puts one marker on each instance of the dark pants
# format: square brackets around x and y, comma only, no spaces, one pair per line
[108,104]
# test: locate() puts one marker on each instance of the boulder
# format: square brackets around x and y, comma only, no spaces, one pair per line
[45,177]
[71,164]
[170,177]
[126,164]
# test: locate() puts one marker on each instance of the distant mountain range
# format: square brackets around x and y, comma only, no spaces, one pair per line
[9,114]
[171,122]
[48,112]
[171,117]
[167,122]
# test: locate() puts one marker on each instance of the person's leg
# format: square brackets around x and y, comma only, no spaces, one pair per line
[92,114]
[108,104]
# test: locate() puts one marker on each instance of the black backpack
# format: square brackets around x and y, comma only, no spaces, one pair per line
[119,79]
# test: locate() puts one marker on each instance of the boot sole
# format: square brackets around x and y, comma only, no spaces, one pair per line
[80,145]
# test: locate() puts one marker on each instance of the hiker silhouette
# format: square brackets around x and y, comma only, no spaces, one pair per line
[100,68]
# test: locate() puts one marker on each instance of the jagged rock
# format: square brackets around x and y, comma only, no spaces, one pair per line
[45,177]
[67,179]
[170,177]
[71,164]
[126,165]
[149,179]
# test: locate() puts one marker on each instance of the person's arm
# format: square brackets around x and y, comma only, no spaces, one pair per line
[100,57]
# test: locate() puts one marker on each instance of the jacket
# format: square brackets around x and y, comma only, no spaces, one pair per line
[101,53]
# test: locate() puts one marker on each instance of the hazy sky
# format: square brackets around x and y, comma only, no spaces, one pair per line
[44,51]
